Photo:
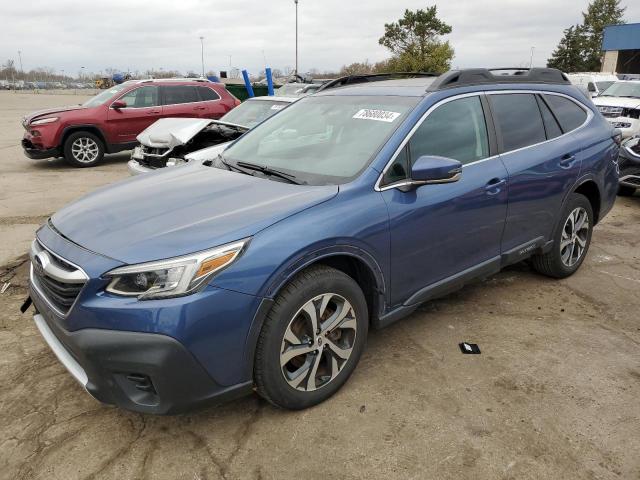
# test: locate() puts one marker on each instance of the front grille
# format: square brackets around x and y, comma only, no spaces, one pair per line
[57,280]
[153,157]
[610,112]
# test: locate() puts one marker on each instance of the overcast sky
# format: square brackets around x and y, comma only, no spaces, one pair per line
[141,34]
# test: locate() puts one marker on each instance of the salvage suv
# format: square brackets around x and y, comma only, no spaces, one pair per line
[110,121]
[620,104]
[265,267]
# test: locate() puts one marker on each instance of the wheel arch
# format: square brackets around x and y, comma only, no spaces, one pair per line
[83,128]
[353,261]
[589,188]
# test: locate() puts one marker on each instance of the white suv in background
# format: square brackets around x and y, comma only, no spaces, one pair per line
[620,104]
[593,82]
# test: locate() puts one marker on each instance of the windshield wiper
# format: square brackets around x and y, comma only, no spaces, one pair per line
[270,171]
[229,166]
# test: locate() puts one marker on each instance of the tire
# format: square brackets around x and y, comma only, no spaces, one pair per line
[299,381]
[83,149]
[626,191]
[569,250]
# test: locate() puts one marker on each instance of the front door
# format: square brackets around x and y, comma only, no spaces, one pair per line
[143,108]
[440,231]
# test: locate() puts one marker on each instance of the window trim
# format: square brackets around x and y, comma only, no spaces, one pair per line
[379,188]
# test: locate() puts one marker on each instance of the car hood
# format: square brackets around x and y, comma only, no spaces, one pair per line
[617,102]
[180,210]
[49,111]
[171,132]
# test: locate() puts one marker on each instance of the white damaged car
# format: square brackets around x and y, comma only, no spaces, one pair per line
[620,105]
[176,141]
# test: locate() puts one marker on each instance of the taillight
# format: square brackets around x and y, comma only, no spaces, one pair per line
[236,101]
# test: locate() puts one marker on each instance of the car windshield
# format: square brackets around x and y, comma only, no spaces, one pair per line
[323,140]
[623,89]
[104,96]
[252,112]
[604,85]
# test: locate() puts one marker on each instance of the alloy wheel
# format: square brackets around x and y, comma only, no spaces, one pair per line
[575,234]
[318,342]
[85,150]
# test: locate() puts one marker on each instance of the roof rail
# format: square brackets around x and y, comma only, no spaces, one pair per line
[177,79]
[372,77]
[479,76]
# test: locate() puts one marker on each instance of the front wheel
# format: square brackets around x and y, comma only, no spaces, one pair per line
[571,240]
[83,149]
[312,339]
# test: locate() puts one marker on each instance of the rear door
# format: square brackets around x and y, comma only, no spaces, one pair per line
[542,159]
[215,106]
[143,108]
[182,101]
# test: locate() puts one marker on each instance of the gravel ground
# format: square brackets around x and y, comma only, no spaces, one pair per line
[553,395]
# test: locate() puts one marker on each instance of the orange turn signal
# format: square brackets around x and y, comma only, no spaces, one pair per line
[213,264]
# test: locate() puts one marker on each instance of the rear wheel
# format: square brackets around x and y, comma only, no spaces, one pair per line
[312,339]
[83,149]
[626,191]
[571,240]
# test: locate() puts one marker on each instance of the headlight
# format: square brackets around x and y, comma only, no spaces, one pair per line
[173,277]
[44,121]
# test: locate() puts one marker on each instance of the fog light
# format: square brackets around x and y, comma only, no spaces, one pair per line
[35,133]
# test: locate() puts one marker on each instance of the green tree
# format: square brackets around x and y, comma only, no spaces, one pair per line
[580,48]
[568,54]
[415,43]
[599,14]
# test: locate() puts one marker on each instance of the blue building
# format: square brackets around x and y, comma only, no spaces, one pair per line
[621,45]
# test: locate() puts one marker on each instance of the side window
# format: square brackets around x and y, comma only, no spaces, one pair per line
[518,118]
[455,130]
[141,97]
[398,170]
[207,94]
[550,123]
[176,94]
[570,115]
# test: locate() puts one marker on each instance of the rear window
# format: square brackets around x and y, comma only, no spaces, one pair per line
[519,120]
[570,115]
[176,94]
[207,94]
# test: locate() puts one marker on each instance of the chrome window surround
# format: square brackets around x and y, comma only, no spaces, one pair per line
[406,140]
[79,276]
[168,105]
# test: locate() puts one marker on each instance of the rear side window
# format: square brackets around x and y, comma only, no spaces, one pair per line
[570,115]
[519,121]
[176,94]
[550,123]
[455,130]
[207,94]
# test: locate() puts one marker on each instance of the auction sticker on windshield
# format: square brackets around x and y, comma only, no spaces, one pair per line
[378,115]
[277,107]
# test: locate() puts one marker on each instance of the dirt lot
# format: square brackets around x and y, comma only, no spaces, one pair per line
[553,395]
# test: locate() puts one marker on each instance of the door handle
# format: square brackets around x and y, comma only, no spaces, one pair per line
[154,112]
[567,161]
[494,186]
[199,108]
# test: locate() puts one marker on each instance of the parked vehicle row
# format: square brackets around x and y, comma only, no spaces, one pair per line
[110,121]
[265,266]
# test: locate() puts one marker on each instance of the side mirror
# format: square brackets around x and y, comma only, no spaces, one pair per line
[591,87]
[118,104]
[430,169]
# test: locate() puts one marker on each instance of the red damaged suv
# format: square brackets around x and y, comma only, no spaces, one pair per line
[110,121]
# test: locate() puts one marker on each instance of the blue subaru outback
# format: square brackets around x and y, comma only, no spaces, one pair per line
[263,268]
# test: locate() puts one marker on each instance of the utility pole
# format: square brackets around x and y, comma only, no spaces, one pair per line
[20,57]
[296,2]
[531,60]
[202,54]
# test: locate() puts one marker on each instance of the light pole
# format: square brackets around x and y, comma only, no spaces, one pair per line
[81,74]
[531,59]
[296,2]
[20,57]
[202,54]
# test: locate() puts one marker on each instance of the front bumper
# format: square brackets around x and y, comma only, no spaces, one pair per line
[143,372]
[627,126]
[135,168]
[33,152]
